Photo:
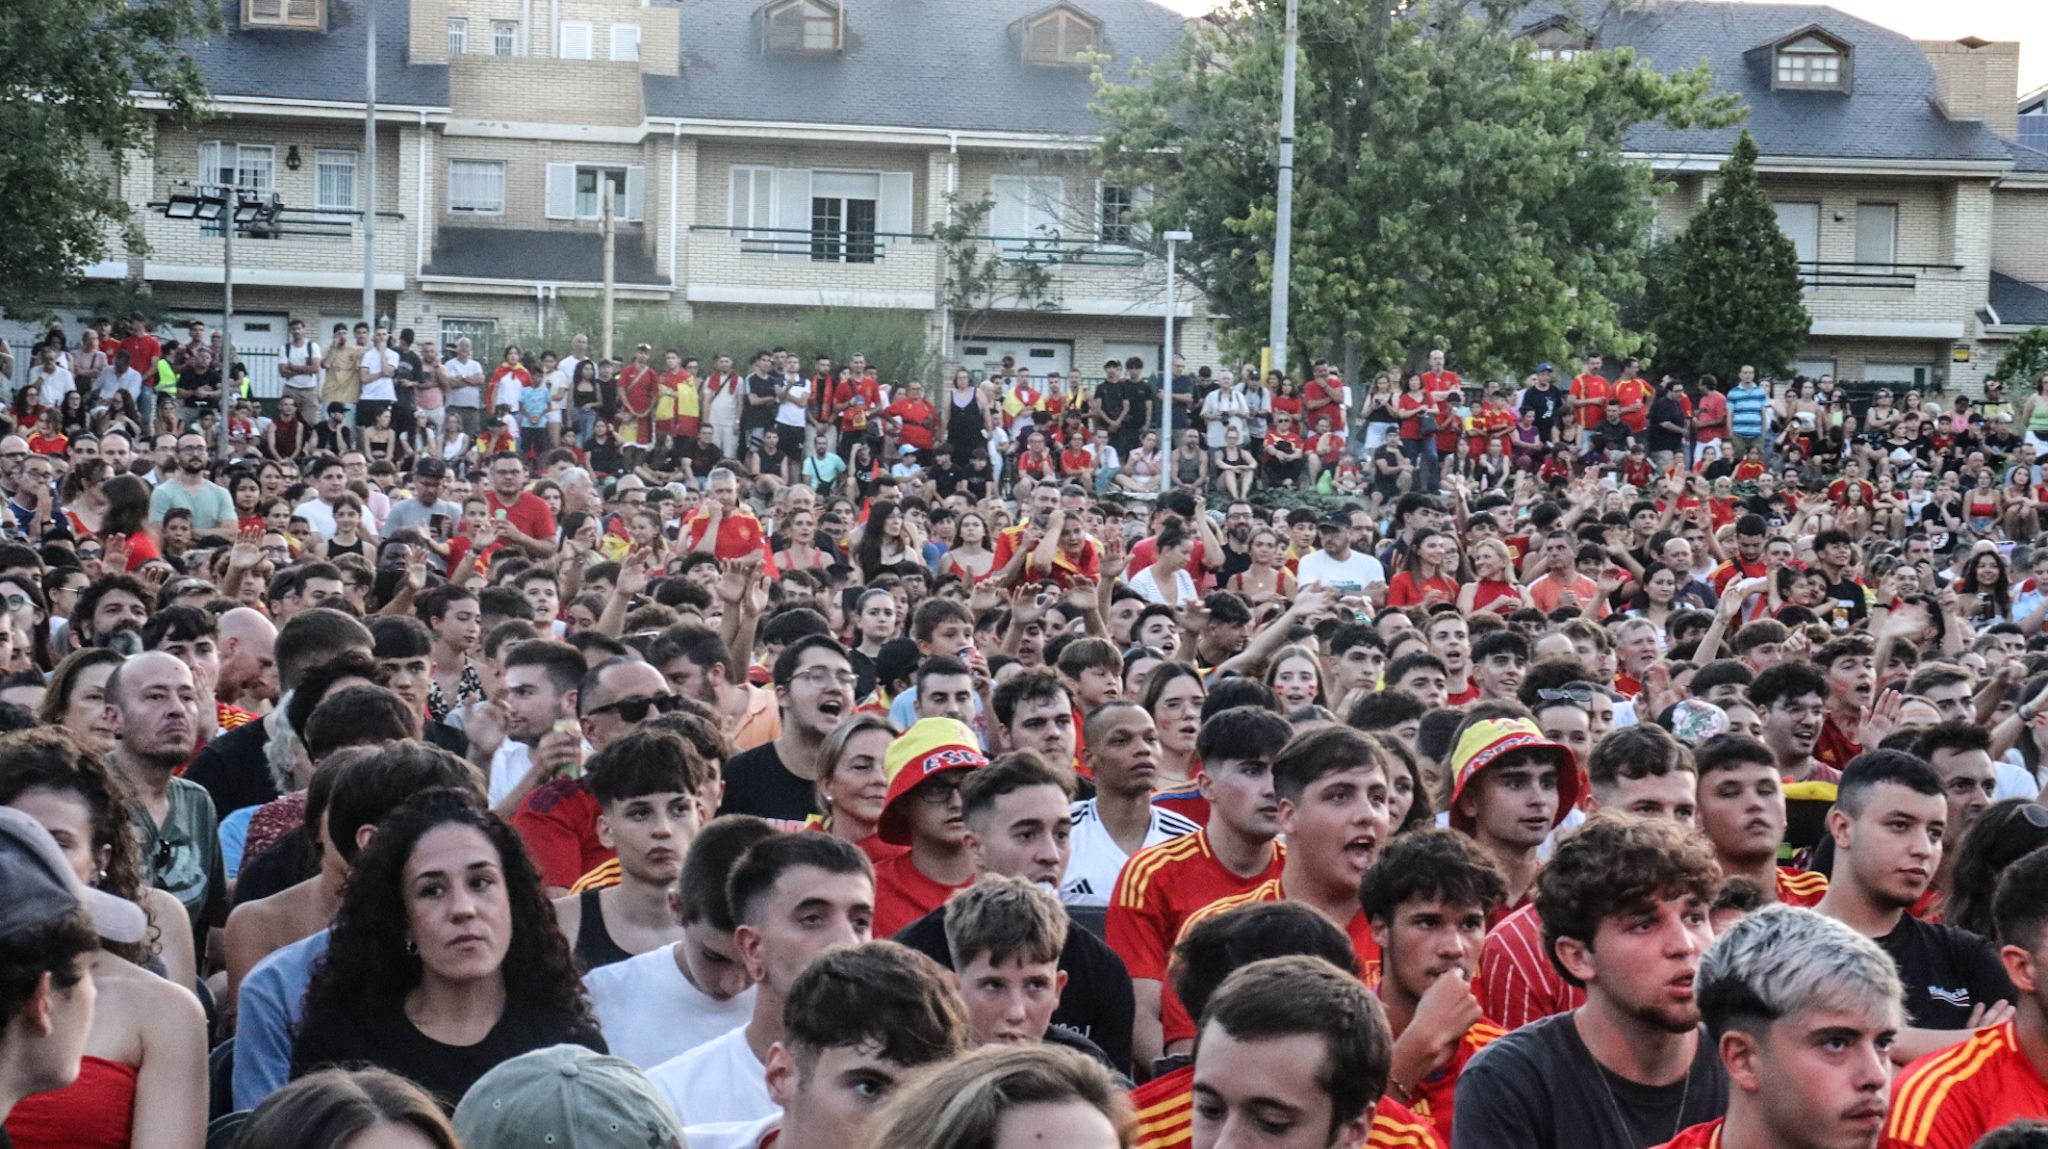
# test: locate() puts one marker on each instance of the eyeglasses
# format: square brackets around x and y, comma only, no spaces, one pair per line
[636,708]
[823,676]
[937,791]
[1581,693]
[87,554]
[14,601]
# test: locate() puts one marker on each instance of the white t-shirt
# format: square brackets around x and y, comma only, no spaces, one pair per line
[302,355]
[1097,859]
[651,1013]
[54,385]
[732,1134]
[1354,573]
[318,515]
[377,386]
[508,765]
[795,398]
[719,1081]
[1146,583]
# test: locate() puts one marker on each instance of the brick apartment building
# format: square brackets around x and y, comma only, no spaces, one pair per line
[785,154]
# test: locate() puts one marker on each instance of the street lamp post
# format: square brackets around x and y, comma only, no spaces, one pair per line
[231,208]
[1173,240]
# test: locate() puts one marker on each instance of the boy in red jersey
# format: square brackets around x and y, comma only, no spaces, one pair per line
[1802,1011]
[1428,899]
[1742,813]
[1162,885]
[1956,1095]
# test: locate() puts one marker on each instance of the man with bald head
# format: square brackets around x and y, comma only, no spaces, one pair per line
[559,818]
[248,659]
[153,707]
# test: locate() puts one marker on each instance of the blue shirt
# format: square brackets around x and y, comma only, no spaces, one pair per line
[271,999]
[1746,411]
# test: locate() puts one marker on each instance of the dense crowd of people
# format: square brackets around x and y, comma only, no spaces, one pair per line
[649,757]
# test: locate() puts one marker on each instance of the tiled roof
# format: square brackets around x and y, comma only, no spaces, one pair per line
[2018,302]
[296,64]
[946,64]
[538,256]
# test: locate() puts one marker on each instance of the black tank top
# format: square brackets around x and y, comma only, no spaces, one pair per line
[594,944]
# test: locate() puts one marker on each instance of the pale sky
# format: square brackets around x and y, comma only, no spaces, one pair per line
[2022,20]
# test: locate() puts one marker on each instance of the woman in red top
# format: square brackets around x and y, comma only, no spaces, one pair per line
[916,417]
[1493,585]
[1430,575]
[248,494]
[127,516]
[1036,459]
[853,787]
[1286,395]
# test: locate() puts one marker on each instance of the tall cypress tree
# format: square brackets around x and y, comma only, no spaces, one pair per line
[1734,295]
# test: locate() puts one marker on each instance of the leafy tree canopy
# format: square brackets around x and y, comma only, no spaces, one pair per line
[68,73]
[1450,188]
[2026,356]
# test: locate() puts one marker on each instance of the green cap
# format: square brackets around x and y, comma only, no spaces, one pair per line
[566,1097]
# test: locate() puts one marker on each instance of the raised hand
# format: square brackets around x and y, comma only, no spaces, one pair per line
[635,572]
[1880,718]
[247,553]
[114,553]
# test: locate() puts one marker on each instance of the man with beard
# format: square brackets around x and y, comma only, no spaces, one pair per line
[111,607]
[1888,826]
[777,780]
[1750,533]
[1624,906]
[1163,885]
[191,636]
[695,662]
[153,705]
[189,490]
[523,519]
[1802,1012]
[538,712]
[1999,1075]
[1237,542]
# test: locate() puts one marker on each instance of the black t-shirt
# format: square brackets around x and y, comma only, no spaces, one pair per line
[386,1039]
[1847,596]
[758,415]
[1097,1003]
[1947,972]
[234,771]
[757,783]
[1544,404]
[1235,562]
[1666,410]
[1539,1088]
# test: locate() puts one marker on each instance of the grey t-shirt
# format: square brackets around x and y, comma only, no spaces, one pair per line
[413,513]
[1539,1088]
[183,855]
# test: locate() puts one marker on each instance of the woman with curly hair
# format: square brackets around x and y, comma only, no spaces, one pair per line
[145,1057]
[444,959]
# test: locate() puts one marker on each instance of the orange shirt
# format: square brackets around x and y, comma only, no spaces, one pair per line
[1953,1096]
[1166,1114]
[1629,391]
[1591,386]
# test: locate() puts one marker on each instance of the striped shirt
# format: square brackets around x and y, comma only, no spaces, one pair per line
[1953,1096]
[1746,411]
[1097,859]
[1166,1113]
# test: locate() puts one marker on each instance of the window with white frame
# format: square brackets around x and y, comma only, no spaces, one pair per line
[1556,43]
[750,207]
[1811,61]
[801,26]
[334,179]
[249,166]
[844,208]
[504,38]
[574,40]
[476,187]
[578,191]
[1028,212]
[591,182]
[1877,233]
[481,333]
[1117,221]
[458,35]
[283,13]
[625,41]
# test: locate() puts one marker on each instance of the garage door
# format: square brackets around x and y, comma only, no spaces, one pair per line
[1043,356]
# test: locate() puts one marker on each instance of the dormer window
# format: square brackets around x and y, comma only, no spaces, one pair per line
[1558,42]
[1812,61]
[284,14]
[1060,36]
[802,26]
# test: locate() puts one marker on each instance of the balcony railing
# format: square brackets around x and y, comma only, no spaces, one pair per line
[848,246]
[1849,273]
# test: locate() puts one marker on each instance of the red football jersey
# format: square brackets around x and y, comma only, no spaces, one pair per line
[1706,1135]
[1953,1096]
[1432,1096]
[1362,944]
[1166,1113]
[1517,983]
[904,894]
[1160,888]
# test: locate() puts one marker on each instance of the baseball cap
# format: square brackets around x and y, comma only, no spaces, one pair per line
[1336,520]
[568,1097]
[1483,744]
[1542,367]
[932,746]
[41,886]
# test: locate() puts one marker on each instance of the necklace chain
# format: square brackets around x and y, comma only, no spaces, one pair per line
[1627,1126]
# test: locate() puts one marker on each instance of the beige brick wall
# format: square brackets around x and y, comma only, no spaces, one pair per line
[2019,221]
[1979,82]
[540,90]
[526,174]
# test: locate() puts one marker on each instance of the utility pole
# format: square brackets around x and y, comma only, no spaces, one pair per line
[1283,205]
[227,310]
[370,167]
[1173,241]
[610,251]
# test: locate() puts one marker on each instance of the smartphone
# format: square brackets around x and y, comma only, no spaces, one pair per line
[439,525]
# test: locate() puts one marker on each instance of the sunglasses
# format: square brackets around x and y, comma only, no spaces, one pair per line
[1581,693]
[636,708]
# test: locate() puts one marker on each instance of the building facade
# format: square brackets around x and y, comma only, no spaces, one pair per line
[773,156]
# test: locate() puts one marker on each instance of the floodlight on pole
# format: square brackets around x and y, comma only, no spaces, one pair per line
[182,207]
[1173,241]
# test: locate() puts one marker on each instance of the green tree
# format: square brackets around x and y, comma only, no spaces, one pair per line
[981,278]
[1734,293]
[1450,188]
[68,72]
[2026,356]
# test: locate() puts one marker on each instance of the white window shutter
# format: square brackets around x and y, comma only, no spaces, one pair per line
[210,162]
[636,193]
[792,212]
[739,194]
[1141,199]
[574,40]
[893,208]
[561,197]
[1009,219]
[625,41]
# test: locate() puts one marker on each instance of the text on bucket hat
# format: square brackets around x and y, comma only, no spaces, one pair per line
[1484,743]
[932,746]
